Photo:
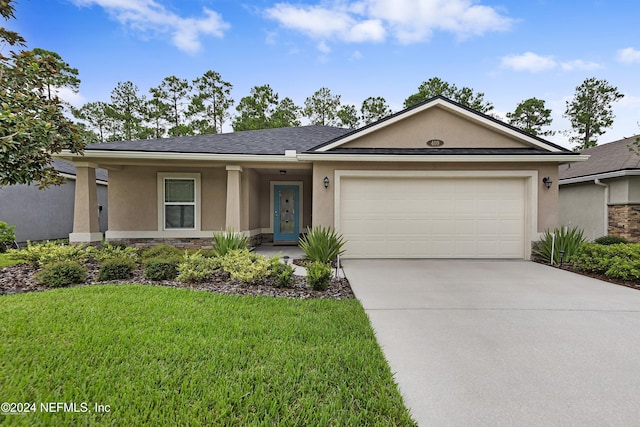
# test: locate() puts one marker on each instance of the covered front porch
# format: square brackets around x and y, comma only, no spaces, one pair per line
[183,203]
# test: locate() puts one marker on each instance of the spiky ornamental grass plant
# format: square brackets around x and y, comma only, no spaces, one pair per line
[322,244]
[569,240]
[229,240]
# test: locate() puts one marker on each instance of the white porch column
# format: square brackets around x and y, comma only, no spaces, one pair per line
[233,197]
[86,228]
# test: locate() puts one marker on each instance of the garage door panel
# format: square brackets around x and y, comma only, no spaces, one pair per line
[433,217]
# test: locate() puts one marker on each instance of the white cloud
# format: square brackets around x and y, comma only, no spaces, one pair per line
[356,55]
[579,64]
[630,102]
[322,47]
[535,63]
[415,20]
[322,23]
[408,21]
[68,95]
[629,55]
[149,16]
[528,61]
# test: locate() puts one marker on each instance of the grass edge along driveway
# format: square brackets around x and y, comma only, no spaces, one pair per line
[162,356]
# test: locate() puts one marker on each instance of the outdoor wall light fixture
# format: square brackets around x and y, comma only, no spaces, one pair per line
[283,172]
[325,181]
[547,182]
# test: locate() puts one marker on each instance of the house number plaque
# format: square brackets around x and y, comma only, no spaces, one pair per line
[435,143]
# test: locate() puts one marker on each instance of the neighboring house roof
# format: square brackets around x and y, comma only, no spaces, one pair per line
[606,160]
[263,141]
[67,168]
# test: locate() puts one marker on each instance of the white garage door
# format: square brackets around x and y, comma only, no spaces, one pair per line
[432,217]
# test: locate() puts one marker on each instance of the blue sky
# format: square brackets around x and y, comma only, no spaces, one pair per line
[510,50]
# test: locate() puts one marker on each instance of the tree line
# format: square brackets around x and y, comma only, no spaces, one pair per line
[35,123]
[178,107]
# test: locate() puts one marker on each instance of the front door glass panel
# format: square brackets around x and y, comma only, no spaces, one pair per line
[286,218]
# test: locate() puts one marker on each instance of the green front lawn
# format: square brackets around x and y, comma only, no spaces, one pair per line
[163,356]
[5,261]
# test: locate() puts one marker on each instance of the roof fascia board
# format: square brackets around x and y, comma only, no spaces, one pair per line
[556,158]
[604,175]
[73,178]
[155,155]
[449,106]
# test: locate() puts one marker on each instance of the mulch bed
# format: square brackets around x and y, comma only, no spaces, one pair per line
[569,267]
[19,278]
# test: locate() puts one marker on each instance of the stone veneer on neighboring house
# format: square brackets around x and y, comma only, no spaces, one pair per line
[624,221]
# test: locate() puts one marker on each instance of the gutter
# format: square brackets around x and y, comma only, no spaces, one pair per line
[167,155]
[606,204]
[457,158]
[599,176]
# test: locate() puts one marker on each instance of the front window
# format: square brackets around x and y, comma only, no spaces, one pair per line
[179,203]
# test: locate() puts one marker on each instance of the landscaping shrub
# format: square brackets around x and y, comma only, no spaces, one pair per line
[194,267]
[61,273]
[208,253]
[49,252]
[319,276]
[568,240]
[113,251]
[116,268]
[610,240]
[161,268]
[161,251]
[7,235]
[229,240]
[283,273]
[618,261]
[244,265]
[322,244]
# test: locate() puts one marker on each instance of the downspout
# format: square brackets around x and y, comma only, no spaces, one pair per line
[606,205]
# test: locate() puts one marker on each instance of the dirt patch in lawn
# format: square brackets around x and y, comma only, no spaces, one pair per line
[20,278]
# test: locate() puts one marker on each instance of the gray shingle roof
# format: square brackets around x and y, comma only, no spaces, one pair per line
[264,141]
[611,157]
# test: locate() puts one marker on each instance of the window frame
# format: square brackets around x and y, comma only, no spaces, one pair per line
[162,203]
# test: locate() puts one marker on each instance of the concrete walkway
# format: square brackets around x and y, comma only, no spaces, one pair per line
[509,343]
[286,254]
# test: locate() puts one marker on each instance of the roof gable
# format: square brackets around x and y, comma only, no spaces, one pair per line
[453,125]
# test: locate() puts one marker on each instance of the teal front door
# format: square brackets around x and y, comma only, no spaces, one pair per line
[286,218]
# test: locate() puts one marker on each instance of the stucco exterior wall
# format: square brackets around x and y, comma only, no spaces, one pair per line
[44,214]
[583,205]
[634,189]
[134,197]
[251,200]
[323,199]
[618,190]
[434,123]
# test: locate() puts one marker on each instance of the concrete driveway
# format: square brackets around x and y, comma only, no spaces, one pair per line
[504,342]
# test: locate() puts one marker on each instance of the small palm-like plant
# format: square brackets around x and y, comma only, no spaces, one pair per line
[322,244]
[228,240]
[568,240]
